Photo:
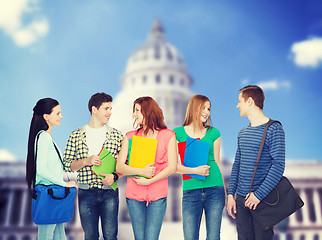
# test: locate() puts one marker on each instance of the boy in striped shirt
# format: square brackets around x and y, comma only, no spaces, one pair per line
[270,169]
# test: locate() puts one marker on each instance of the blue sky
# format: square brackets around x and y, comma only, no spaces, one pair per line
[69,50]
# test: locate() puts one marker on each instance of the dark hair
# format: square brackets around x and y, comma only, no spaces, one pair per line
[38,123]
[152,114]
[97,99]
[255,92]
[193,113]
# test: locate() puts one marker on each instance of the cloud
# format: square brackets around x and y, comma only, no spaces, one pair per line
[245,81]
[6,156]
[274,84]
[11,15]
[307,53]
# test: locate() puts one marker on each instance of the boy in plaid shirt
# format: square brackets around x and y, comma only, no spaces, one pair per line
[96,198]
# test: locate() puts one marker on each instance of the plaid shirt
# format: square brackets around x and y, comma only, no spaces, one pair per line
[77,149]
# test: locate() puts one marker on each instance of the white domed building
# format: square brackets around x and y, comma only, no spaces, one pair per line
[156,69]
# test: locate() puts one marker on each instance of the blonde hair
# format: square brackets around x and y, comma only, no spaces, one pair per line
[194,110]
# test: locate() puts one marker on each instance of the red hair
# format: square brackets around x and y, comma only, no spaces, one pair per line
[152,114]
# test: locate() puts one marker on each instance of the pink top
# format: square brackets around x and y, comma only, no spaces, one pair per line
[158,189]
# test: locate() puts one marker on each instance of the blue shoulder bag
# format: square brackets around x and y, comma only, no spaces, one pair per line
[280,203]
[52,204]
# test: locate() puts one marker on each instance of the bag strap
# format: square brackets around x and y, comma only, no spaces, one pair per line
[58,153]
[51,193]
[270,122]
[35,162]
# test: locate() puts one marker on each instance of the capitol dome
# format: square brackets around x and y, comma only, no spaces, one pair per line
[156,53]
[155,69]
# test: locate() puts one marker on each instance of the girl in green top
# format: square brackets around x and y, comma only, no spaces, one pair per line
[199,195]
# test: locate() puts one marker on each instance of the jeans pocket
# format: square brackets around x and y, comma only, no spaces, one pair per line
[192,195]
[113,193]
[218,187]
[81,193]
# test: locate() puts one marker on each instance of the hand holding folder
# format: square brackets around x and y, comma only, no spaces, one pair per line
[142,152]
[196,154]
[107,166]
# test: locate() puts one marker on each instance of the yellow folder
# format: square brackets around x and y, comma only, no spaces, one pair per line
[143,152]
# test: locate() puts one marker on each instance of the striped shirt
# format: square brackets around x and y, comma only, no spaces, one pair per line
[271,165]
[76,149]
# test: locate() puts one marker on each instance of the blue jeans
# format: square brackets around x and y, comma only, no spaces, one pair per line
[194,201]
[51,232]
[247,227]
[94,203]
[146,220]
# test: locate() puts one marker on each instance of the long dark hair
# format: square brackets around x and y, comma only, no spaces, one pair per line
[38,123]
[152,114]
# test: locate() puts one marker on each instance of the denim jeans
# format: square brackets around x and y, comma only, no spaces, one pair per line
[194,201]
[51,232]
[247,227]
[146,220]
[94,203]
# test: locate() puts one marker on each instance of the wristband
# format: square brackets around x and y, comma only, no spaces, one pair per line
[116,177]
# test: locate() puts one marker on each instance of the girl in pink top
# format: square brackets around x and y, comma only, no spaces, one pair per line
[146,198]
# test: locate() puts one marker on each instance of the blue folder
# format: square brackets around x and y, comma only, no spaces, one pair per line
[196,154]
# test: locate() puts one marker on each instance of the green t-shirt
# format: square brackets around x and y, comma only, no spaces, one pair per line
[215,177]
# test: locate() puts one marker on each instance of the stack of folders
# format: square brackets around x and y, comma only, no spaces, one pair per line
[193,153]
[142,152]
[107,166]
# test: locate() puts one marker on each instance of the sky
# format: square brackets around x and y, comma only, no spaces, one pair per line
[69,50]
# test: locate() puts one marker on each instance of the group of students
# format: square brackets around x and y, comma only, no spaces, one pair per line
[146,198]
